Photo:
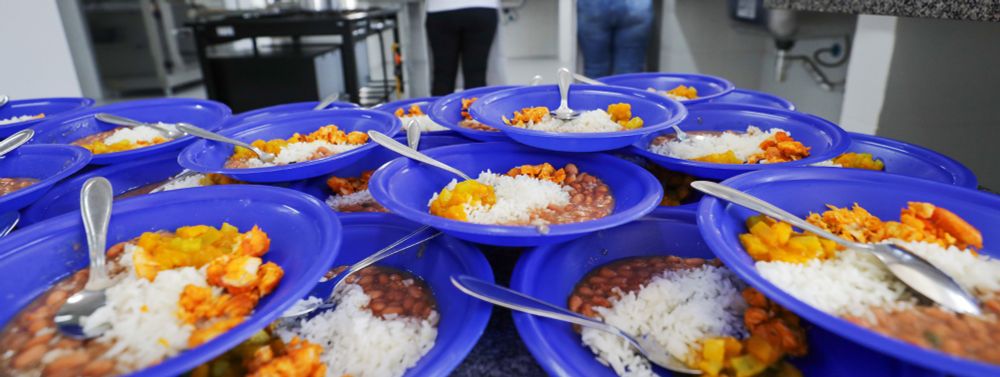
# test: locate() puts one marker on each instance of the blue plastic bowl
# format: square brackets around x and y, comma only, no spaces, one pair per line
[447,111]
[657,112]
[48,164]
[317,186]
[305,239]
[65,196]
[51,107]
[424,103]
[404,187]
[800,191]
[753,98]
[709,87]
[913,160]
[463,318]
[279,110]
[551,272]
[202,113]
[210,156]
[826,139]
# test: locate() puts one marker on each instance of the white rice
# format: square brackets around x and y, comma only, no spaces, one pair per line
[300,152]
[18,119]
[190,181]
[828,163]
[358,198]
[137,134]
[677,309]
[138,337]
[517,198]
[849,284]
[588,121]
[359,344]
[743,145]
[425,122]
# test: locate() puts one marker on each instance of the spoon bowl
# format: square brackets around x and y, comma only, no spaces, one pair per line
[95,209]
[563,112]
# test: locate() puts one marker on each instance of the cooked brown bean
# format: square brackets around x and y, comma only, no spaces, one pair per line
[40,339]
[66,365]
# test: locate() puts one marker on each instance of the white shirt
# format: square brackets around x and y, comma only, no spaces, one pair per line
[445,5]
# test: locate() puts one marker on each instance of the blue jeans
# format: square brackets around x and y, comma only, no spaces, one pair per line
[613,35]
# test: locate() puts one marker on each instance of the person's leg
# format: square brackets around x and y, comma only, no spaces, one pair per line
[593,31]
[632,35]
[443,38]
[479,29]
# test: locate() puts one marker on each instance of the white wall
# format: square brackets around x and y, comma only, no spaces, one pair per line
[699,36]
[941,92]
[36,57]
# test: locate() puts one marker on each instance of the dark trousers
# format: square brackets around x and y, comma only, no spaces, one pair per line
[613,35]
[464,34]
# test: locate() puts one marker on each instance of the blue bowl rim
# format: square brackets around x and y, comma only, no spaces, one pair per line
[679,113]
[79,158]
[472,331]
[963,176]
[644,206]
[187,360]
[841,140]
[186,156]
[709,213]
[436,110]
[783,102]
[82,103]
[726,85]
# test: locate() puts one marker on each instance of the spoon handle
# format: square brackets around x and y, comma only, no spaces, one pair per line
[515,300]
[95,208]
[118,120]
[4,100]
[16,140]
[565,77]
[395,146]
[749,201]
[327,101]
[413,134]
[199,132]
[537,79]
[586,80]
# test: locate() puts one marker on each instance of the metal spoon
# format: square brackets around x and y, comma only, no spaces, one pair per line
[327,101]
[385,252]
[95,208]
[515,300]
[132,123]
[393,145]
[535,80]
[681,135]
[182,175]
[16,140]
[586,80]
[4,100]
[10,219]
[908,267]
[195,131]
[564,112]
[413,134]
